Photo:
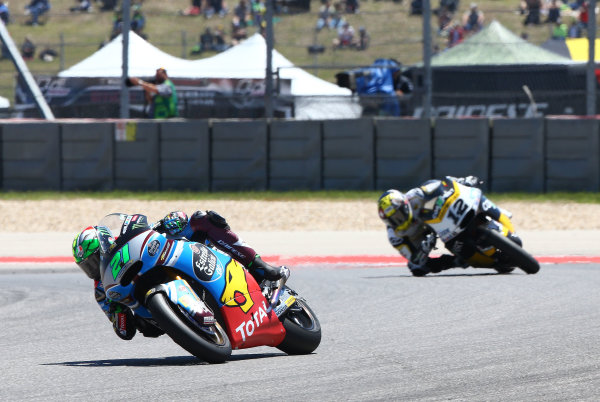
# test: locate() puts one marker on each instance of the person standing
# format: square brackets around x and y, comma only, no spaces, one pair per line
[160,95]
[4,12]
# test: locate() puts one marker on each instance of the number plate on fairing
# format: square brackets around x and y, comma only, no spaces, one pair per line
[452,207]
[286,299]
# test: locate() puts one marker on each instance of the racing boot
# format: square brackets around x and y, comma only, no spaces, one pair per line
[421,271]
[260,270]
[441,263]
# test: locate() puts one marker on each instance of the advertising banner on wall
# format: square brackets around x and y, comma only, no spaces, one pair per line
[198,98]
[503,91]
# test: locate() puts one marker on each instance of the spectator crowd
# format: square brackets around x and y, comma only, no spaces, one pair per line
[225,23]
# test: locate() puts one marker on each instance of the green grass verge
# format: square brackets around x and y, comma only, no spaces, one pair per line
[557,197]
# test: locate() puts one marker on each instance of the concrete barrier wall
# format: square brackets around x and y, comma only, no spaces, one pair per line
[461,148]
[31,155]
[239,155]
[403,156]
[295,155]
[185,156]
[534,155]
[348,155]
[517,155]
[572,150]
[137,156]
[87,156]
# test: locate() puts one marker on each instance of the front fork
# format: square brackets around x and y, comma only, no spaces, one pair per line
[280,297]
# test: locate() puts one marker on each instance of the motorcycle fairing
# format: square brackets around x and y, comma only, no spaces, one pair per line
[497,214]
[249,321]
[180,293]
[445,213]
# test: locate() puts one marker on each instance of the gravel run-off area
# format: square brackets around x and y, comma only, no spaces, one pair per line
[249,215]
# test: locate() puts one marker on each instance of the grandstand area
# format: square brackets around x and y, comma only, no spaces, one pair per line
[393,33]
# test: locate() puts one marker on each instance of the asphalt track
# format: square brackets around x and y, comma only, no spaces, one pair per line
[463,334]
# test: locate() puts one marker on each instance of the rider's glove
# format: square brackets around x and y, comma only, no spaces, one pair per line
[123,321]
[471,181]
[174,223]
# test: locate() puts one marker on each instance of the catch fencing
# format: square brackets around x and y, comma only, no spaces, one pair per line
[527,155]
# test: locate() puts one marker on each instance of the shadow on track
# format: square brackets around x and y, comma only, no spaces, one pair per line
[160,361]
[442,275]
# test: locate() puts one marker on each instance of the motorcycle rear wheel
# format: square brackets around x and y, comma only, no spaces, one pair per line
[512,250]
[212,349]
[303,330]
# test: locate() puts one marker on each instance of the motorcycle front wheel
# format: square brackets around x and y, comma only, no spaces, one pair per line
[303,330]
[211,345]
[512,250]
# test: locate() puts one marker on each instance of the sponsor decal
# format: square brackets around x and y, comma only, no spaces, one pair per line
[487,110]
[165,252]
[230,248]
[438,207]
[153,247]
[246,329]
[236,292]
[205,263]
[122,318]
[114,295]
[185,300]
[448,193]
[79,251]
[126,225]
[487,205]
[280,309]
[194,248]
[104,231]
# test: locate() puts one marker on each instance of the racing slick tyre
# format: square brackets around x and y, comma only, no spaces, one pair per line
[504,270]
[516,255]
[303,330]
[209,344]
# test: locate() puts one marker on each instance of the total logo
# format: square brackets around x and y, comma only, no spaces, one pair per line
[246,329]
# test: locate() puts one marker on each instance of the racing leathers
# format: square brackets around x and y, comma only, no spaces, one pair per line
[204,227]
[417,241]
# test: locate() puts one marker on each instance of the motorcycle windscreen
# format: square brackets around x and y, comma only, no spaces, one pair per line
[245,311]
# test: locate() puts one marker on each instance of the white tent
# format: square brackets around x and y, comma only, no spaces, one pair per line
[248,60]
[143,61]
[316,98]
[4,103]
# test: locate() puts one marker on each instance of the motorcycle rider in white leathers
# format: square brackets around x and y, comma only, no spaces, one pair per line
[413,238]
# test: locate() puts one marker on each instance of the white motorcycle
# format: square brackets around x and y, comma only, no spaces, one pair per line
[473,227]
